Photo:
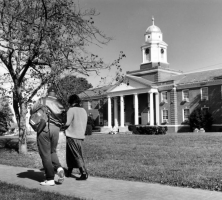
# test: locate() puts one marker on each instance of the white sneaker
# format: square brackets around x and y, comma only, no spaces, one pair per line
[48,183]
[61,174]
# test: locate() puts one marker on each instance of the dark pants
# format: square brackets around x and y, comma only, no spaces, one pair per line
[47,142]
[74,154]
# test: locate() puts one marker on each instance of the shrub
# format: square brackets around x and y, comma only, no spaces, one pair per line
[133,129]
[5,115]
[148,130]
[199,119]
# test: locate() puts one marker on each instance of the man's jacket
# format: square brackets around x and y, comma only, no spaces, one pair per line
[56,110]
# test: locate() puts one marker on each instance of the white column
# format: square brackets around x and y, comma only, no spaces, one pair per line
[143,55]
[109,113]
[115,112]
[136,109]
[157,108]
[148,112]
[151,109]
[122,120]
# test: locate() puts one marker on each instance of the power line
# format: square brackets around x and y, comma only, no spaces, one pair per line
[203,67]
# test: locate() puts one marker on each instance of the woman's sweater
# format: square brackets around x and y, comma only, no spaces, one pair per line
[77,122]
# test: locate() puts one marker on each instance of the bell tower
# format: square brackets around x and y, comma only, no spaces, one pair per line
[154,50]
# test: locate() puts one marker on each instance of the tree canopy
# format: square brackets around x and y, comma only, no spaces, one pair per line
[69,85]
[39,41]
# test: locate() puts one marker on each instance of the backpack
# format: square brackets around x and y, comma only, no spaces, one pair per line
[39,118]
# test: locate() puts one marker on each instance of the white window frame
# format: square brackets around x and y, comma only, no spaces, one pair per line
[201,94]
[184,114]
[165,120]
[186,99]
[162,99]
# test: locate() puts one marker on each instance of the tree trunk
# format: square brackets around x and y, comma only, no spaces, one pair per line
[22,130]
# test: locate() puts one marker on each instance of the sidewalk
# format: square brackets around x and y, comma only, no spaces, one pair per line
[103,188]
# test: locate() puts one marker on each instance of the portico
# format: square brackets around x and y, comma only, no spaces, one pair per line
[117,98]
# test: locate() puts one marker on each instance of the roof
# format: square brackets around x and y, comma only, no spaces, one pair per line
[140,80]
[153,28]
[94,92]
[195,77]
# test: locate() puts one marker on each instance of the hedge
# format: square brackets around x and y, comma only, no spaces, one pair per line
[148,130]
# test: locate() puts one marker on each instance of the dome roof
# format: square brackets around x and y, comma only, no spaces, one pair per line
[153,28]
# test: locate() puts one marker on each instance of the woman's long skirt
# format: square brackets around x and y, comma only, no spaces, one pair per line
[74,155]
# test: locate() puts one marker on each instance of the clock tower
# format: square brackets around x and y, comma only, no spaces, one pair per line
[154,50]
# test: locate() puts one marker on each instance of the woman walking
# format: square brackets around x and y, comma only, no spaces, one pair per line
[75,135]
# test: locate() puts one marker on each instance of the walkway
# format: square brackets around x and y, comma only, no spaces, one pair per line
[103,188]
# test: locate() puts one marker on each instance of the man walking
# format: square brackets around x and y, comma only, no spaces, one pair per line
[47,140]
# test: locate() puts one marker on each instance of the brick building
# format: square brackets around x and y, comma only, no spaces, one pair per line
[155,94]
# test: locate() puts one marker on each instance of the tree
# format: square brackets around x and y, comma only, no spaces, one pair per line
[5,115]
[200,119]
[69,85]
[41,39]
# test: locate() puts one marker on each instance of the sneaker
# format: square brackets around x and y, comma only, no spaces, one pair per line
[61,174]
[48,183]
[83,177]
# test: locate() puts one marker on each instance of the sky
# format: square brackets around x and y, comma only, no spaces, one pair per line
[191,28]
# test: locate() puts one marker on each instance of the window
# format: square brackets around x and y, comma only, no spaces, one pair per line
[101,118]
[89,105]
[205,110]
[204,93]
[164,97]
[185,95]
[165,116]
[101,103]
[162,53]
[186,113]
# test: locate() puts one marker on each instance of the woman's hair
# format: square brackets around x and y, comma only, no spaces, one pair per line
[74,99]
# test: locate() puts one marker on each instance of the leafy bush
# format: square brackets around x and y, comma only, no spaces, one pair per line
[133,128]
[148,130]
[5,115]
[199,119]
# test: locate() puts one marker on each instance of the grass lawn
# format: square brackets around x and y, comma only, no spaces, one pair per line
[188,160]
[10,192]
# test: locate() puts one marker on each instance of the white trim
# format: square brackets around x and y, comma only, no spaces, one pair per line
[201,94]
[154,70]
[183,98]
[167,115]
[164,100]
[175,125]
[185,125]
[183,113]
[131,92]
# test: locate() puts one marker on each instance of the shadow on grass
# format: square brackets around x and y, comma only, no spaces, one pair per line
[31,174]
